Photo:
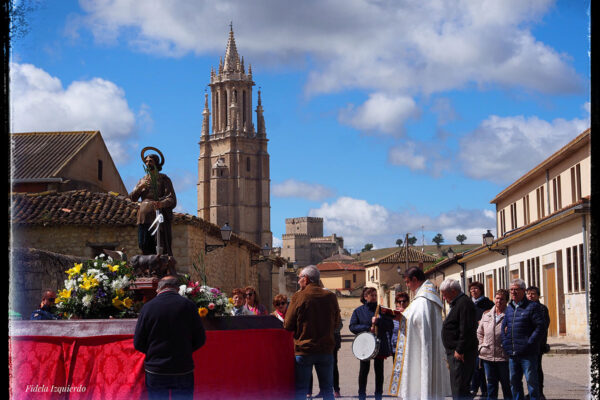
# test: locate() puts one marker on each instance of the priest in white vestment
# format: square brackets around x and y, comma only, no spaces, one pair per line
[420,367]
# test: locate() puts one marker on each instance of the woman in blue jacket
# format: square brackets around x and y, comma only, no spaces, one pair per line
[364,320]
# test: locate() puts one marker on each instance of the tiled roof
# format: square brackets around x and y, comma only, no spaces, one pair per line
[340,257]
[37,155]
[80,207]
[77,207]
[339,266]
[399,256]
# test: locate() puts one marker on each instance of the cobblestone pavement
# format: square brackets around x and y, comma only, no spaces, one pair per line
[566,375]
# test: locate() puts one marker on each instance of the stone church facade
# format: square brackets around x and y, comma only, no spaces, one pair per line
[233,167]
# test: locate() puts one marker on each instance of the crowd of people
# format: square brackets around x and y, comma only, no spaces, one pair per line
[480,345]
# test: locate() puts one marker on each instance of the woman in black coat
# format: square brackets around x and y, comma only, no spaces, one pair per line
[363,320]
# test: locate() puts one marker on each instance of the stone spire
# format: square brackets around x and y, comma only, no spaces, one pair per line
[232,59]
[205,120]
[260,120]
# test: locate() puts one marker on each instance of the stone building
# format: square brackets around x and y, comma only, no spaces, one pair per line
[543,225]
[233,167]
[304,244]
[62,161]
[81,224]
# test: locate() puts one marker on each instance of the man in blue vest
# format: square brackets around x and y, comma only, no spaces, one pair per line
[522,332]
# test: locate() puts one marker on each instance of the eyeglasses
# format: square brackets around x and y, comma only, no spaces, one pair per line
[402,302]
[249,294]
[514,290]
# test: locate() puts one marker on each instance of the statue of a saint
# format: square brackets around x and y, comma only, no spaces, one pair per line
[157,194]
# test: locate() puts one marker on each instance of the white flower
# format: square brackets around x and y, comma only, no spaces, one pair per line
[182,290]
[93,271]
[70,284]
[87,300]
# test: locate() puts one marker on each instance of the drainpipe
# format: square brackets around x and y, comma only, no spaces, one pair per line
[506,267]
[585,270]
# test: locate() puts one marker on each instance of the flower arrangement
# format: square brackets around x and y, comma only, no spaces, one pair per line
[97,288]
[210,301]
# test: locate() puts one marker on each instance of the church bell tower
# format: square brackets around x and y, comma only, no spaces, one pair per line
[233,167]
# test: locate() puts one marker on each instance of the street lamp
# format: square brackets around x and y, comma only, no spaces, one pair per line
[225,236]
[451,254]
[488,240]
[265,252]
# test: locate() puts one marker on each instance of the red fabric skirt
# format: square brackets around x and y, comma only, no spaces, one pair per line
[253,363]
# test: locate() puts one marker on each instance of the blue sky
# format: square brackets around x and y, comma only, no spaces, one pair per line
[382,117]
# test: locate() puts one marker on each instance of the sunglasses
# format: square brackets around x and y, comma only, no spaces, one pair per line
[52,299]
[280,304]
[249,294]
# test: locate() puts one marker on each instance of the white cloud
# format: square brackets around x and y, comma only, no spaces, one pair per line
[40,103]
[381,112]
[405,155]
[503,149]
[303,190]
[360,222]
[402,47]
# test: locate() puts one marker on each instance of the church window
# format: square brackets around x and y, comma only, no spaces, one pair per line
[244,107]
[248,164]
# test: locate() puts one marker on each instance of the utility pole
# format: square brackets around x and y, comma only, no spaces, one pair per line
[406,252]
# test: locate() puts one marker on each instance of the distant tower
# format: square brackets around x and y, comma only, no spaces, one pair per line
[233,167]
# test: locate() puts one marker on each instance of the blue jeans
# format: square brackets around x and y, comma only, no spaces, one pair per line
[323,364]
[527,365]
[497,372]
[181,387]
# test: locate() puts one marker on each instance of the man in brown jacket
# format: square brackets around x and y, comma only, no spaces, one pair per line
[313,315]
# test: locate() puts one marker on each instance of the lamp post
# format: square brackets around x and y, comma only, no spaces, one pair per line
[451,255]
[488,240]
[226,232]
[265,252]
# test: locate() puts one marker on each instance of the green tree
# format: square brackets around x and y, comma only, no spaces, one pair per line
[399,242]
[411,240]
[461,238]
[438,239]
[368,247]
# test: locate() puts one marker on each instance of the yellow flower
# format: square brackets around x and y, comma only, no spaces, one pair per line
[230,300]
[75,270]
[202,311]
[63,295]
[127,302]
[120,292]
[113,268]
[88,282]
[116,302]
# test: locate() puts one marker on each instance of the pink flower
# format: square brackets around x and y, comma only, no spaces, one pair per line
[211,306]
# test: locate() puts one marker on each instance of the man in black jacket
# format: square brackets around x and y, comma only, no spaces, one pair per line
[459,337]
[533,294]
[168,331]
[482,304]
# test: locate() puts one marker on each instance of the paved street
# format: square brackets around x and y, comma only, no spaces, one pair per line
[566,375]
